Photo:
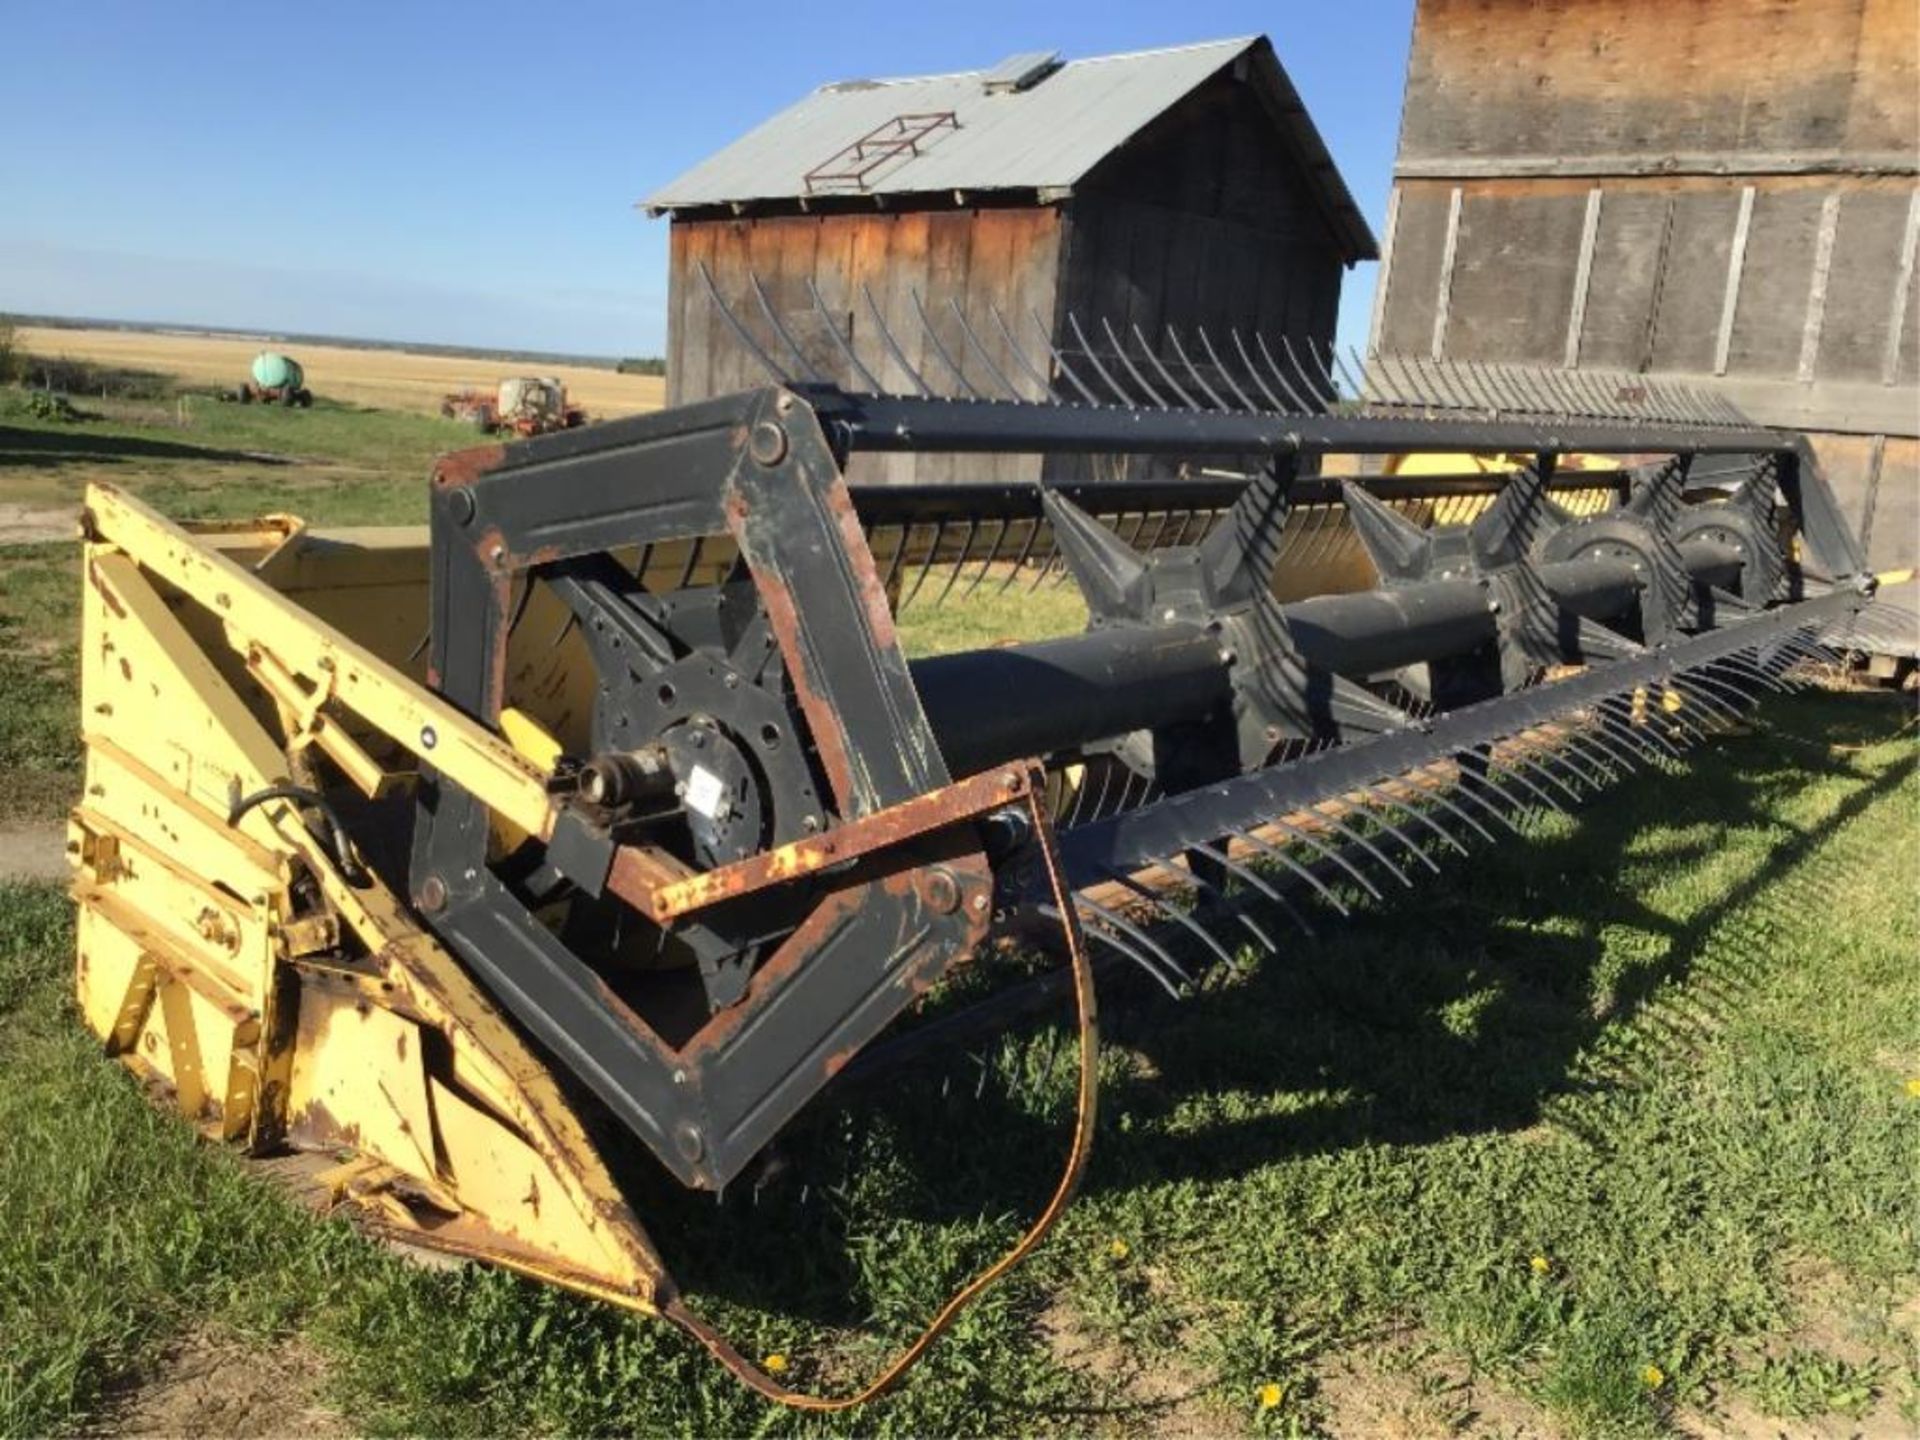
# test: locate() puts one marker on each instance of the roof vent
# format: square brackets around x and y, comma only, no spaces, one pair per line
[1020,72]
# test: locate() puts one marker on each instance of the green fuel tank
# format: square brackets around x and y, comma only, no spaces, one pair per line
[274,371]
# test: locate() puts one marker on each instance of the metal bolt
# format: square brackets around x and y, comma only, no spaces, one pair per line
[429,737]
[433,894]
[689,1141]
[768,443]
[980,903]
[941,891]
[462,504]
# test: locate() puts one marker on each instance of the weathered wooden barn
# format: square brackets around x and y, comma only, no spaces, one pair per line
[1716,190]
[1184,186]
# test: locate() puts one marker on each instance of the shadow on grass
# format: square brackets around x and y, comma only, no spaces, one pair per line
[1463,1008]
[48,448]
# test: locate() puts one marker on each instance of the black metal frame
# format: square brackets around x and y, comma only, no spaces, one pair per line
[766,467]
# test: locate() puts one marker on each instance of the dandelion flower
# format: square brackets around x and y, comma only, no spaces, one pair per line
[774,1364]
[1118,1250]
[1913,1087]
[1270,1395]
[1653,1377]
[1539,1264]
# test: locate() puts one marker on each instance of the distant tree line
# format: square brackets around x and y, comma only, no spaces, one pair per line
[644,365]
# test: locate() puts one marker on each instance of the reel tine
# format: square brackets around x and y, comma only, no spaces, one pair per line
[892,344]
[1249,876]
[1737,699]
[740,331]
[1020,561]
[1620,710]
[1226,375]
[1446,803]
[970,337]
[999,539]
[1019,353]
[1119,922]
[1414,812]
[1060,360]
[960,562]
[1551,755]
[1367,844]
[939,349]
[894,561]
[1232,908]
[1158,905]
[926,567]
[1159,365]
[1132,369]
[773,321]
[1279,853]
[1336,856]
[1321,393]
[1093,358]
[1702,696]
[1523,769]
[1597,734]
[1738,678]
[1347,376]
[1253,371]
[1678,716]
[1472,782]
[1300,406]
[1199,380]
[840,341]
[693,562]
[1140,957]
[1743,667]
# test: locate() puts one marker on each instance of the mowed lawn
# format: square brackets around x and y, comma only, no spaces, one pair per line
[1611,1133]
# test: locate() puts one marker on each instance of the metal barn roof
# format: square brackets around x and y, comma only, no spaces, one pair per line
[1044,136]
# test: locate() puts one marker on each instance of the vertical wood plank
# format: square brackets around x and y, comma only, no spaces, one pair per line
[1902,290]
[1817,289]
[1444,292]
[1582,278]
[1736,267]
[1383,277]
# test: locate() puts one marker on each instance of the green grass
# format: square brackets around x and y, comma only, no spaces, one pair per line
[1664,1048]
[336,464]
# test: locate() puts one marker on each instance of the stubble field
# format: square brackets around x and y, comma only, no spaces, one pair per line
[384,379]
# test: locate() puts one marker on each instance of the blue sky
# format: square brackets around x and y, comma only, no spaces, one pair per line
[466,174]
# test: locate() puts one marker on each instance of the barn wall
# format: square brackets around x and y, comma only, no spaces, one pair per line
[1202,221]
[1003,257]
[1767,85]
[1202,224]
[1720,190]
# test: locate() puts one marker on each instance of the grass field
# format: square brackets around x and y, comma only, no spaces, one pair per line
[1613,1133]
[384,379]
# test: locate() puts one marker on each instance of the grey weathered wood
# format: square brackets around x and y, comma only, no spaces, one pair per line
[1383,277]
[1443,291]
[1582,278]
[1902,291]
[1817,288]
[1736,264]
[1611,167]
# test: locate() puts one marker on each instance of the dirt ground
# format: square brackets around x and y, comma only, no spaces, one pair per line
[388,379]
[208,1384]
[31,524]
[33,852]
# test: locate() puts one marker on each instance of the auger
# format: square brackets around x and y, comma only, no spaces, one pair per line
[614,798]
